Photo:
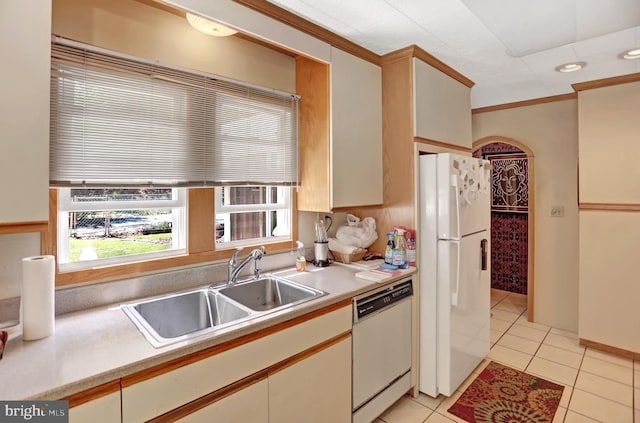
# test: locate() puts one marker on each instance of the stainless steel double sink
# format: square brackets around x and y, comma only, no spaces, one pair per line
[181,316]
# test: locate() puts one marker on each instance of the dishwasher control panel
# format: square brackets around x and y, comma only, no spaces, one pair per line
[372,303]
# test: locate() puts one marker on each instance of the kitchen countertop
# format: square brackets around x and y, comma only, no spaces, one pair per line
[92,347]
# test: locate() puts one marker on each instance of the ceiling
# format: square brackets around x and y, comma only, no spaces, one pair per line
[509,48]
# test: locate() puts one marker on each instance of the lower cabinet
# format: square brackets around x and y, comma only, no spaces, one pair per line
[250,404]
[316,389]
[298,371]
[105,409]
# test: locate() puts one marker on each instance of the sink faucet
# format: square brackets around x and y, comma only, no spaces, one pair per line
[235,268]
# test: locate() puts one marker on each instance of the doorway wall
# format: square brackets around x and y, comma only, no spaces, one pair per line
[509,215]
[512,215]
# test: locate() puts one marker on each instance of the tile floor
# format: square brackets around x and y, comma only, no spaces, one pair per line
[599,387]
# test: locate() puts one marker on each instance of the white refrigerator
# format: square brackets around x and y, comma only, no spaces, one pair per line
[454,264]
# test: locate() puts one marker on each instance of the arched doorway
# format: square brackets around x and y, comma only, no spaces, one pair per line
[513,214]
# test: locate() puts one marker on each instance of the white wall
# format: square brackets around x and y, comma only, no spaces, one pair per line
[12,249]
[551,131]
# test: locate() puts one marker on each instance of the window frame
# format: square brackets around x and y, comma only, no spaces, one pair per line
[66,206]
[201,248]
[282,208]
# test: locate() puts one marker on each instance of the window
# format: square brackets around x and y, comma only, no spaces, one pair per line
[252,214]
[118,122]
[129,137]
[113,226]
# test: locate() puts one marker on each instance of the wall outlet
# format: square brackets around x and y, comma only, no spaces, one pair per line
[557,211]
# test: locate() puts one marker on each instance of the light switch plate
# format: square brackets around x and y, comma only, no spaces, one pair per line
[557,211]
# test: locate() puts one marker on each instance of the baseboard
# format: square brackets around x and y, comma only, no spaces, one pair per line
[609,349]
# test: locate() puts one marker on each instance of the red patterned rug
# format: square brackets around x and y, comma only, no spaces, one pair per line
[501,394]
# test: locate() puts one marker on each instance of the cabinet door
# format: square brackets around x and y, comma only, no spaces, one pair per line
[316,389]
[442,106]
[105,409]
[250,404]
[24,110]
[356,130]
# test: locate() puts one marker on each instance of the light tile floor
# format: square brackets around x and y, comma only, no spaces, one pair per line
[599,387]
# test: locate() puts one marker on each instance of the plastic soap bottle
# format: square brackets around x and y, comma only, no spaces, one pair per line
[388,251]
[400,252]
[301,261]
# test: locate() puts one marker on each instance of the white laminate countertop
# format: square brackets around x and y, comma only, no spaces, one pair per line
[96,346]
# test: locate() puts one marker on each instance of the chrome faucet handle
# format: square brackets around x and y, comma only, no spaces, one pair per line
[233,261]
[257,255]
[234,256]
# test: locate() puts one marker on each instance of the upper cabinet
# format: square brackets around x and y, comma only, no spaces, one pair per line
[24,114]
[340,132]
[356,130]
[441,106]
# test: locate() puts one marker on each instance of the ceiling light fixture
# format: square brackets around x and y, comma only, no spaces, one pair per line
[571,67]
[631,54]
[209,27]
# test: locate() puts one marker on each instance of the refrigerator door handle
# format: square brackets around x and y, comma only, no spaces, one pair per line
[454,185]
[454,295]
[483,249]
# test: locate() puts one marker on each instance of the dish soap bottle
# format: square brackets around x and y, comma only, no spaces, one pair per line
[301,261]
[388,251]
[399,254]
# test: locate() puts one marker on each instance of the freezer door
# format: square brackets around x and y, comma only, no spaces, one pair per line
[463,309]
[464,194]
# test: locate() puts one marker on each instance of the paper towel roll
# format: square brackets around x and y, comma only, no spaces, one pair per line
[38,309]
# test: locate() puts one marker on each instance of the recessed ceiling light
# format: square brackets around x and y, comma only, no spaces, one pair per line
[571,67]
[631,54]
[209,27]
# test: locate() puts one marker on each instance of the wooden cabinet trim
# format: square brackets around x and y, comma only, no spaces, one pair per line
[93,393]
[417,52]
[610,349]
[308,353]
[225,346]
[442,144]
[616,207]
[200,214]
[23,227]
[232,388]
[312,83]
[215,396]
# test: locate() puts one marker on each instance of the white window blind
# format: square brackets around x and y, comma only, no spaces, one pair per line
[116,121]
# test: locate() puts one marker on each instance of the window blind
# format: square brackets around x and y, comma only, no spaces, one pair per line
[116,121]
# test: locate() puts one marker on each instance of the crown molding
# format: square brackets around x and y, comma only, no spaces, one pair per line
[418,53]
[606,82]
[301,24]
[532,102]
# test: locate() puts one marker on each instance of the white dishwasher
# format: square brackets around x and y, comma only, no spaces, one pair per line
[381,349]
